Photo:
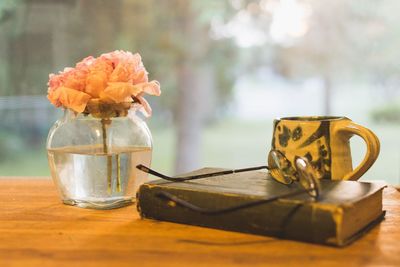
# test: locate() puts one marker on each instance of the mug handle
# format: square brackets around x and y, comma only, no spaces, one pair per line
[373,146]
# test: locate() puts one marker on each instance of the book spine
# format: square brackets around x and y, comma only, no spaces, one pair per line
[284,219]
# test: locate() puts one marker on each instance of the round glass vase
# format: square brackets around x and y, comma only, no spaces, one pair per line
[93,157]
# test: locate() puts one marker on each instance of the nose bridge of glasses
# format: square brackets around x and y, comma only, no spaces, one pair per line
[302,171]
[280,167]
[308,177]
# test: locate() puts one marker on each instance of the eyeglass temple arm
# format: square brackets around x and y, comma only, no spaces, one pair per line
[170,197]
[193,177]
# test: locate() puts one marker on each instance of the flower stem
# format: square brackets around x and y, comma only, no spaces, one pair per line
[104,123]
[118,159]
[109,174]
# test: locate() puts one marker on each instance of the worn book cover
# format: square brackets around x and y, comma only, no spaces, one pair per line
[344,211]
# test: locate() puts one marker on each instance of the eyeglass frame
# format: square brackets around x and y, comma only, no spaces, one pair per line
[303,169]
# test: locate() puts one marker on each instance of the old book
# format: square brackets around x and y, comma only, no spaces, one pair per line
[345,210]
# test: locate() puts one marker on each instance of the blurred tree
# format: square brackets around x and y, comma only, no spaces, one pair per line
[319,49]
[8,11]
[341,40]
[379,56]
[193,68]
[173,37]
[190,46]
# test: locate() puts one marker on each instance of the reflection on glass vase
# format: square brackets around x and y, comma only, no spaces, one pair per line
[93,155]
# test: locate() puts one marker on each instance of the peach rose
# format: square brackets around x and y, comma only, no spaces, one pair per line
[85,63]
[70,98]
[119,56]
[53,96]
[151,88]
[117,92]
[97,77]
[75,79]
[121,73]
[128,67]
[55,81]
[113,77]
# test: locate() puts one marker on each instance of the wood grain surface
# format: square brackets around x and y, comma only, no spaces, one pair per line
[36,229]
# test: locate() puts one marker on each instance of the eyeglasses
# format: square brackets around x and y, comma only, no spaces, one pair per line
[280,169]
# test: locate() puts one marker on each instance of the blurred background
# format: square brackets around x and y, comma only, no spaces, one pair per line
[227,69]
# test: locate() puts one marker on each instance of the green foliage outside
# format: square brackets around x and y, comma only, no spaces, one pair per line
[389,113]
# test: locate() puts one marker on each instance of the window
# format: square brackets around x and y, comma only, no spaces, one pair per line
[227,69]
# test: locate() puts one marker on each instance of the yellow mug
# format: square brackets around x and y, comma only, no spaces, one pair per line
[324,141]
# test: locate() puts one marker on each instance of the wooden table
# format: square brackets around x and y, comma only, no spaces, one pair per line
[37,230]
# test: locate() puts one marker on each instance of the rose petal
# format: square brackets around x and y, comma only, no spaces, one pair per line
[95,83]
[55,81]
[147,111]
[118,92]
[139,76]
[97,78]
[151,88]
[121,73]
[53,96]
[75,79]
[86,62]
[73,99]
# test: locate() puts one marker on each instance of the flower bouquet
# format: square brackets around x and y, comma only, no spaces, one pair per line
[94,148]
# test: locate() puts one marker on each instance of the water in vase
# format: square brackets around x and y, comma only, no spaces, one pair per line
[88,177]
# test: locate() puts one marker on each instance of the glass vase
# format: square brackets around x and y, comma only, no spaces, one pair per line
[93,156]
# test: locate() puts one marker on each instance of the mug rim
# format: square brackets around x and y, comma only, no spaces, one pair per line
[312,118]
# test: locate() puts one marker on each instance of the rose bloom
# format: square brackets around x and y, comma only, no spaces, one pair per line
[113,77]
